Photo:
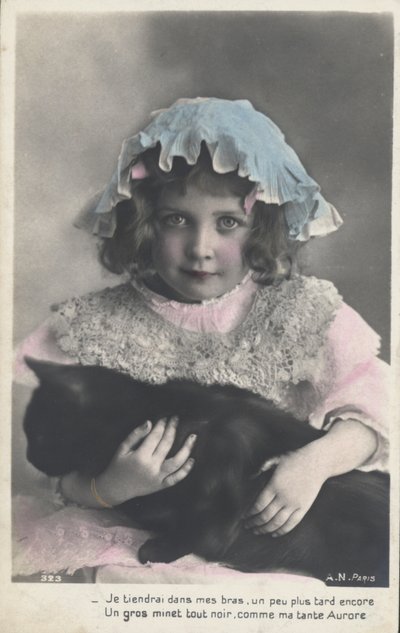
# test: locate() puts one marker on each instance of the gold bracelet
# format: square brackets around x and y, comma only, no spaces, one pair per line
[96,494]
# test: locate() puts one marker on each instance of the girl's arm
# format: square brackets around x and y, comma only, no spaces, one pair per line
[300,475]
[355,412]
[139,467]
[360,389]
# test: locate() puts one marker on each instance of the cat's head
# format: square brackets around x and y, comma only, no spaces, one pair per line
[69,420]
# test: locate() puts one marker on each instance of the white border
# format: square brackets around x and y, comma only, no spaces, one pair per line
[45,608]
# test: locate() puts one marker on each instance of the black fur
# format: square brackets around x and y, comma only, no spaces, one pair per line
[78,416]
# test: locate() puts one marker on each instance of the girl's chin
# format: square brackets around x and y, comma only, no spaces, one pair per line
[193,289]
[185,295]
[198,290]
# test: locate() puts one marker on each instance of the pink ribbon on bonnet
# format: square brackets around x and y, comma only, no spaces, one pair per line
[139,171]
[249,200]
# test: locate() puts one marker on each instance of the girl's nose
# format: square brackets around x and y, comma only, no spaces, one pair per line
[200,244]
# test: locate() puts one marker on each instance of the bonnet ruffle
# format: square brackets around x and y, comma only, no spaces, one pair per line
[238,138]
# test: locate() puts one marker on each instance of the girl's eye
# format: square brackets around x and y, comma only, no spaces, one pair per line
[226,222]
[174,219]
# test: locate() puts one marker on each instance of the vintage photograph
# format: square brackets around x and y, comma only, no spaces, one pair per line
[202,297]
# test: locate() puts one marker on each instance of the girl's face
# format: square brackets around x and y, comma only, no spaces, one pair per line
[198,246]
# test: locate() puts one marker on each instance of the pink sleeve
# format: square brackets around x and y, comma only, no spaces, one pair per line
[360,387]
[39,344]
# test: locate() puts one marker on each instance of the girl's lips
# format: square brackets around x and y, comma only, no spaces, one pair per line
[198,274]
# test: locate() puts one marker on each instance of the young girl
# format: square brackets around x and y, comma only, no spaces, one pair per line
[205,213]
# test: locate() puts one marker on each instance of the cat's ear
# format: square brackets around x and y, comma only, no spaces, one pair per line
[44,370]
[69,378]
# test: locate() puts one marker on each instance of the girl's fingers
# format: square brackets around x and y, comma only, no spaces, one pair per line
[166,442]
[153,439]
[293,520]
[265,515]
[180,474]
[263,501]
[178,460]
[134,438]
[278,520]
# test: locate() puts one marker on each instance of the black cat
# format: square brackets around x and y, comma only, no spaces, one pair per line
[78,416]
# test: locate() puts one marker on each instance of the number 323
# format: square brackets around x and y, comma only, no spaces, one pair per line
[50,578]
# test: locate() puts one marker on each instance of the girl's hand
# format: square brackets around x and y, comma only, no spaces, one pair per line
[288,496]
[141,470]
[299,476]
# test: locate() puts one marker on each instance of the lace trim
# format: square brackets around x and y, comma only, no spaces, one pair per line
[50,539]
[279,350]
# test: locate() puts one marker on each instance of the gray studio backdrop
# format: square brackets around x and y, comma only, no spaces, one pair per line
[86,81]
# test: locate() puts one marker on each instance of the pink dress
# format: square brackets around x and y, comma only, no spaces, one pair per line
[297,344]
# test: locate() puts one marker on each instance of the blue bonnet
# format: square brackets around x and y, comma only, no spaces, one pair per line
[238,138]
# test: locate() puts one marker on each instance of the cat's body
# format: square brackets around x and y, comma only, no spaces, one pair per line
[79,415]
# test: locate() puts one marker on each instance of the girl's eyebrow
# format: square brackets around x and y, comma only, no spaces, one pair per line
[164,207]
[215,213]
[230,212]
